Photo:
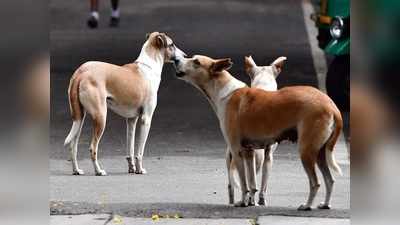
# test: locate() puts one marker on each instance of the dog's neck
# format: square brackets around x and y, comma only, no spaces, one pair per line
[150,60]
[219,90]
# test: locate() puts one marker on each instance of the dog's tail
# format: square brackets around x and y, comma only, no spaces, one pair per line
[75,106]
[330,144]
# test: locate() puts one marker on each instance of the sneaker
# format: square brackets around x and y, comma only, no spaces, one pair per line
[92,22]
[114,21]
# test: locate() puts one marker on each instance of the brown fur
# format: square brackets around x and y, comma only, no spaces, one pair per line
[73,94]
[258,114]
[256,118]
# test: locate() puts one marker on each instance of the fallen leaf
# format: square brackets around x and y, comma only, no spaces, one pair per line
[117,219]
[155,217]
[253,222]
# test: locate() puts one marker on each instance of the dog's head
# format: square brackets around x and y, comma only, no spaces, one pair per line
[164,44]
[200,70]
[264,76]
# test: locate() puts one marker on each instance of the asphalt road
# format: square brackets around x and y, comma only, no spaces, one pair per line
[185,151]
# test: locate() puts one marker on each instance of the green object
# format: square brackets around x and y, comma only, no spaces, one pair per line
[338,47]
[331,9]
[338,8]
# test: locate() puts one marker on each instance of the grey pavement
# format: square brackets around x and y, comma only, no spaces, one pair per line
[185,151]
[264,220]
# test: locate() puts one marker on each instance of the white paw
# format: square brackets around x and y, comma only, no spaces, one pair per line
[241,204]
[141,171]
[78,172]
[323,205]
[101,173]
[304,207]
[245,202]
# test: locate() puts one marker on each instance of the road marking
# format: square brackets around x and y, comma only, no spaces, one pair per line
[321,69]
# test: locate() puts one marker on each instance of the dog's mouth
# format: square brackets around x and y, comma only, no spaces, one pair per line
[180,73]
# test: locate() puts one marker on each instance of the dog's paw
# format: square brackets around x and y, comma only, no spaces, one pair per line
[252,201]
[141,171]
[322,205]
[241,204]
[101,173]
[131,169]
[262,201]
[304,207]
[78,172]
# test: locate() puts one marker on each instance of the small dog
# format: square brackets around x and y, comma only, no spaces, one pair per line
[251,118]
[129,90]
[263,77]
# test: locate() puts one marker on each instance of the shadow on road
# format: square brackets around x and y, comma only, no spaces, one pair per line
[187,210]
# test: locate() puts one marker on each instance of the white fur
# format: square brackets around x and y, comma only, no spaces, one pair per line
[73,132]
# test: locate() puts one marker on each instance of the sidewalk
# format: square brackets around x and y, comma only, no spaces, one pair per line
[275,220]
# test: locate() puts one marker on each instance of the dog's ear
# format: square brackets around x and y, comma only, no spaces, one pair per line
[161,41]
[221,64]
[278,65]
[249,64]
[147,36]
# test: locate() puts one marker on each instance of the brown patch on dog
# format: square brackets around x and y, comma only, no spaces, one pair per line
[73,94]
[258,114]
[127,86]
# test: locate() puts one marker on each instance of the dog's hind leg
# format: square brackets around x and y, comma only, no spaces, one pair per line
[328,178]
[76,129]
[266,168]
[308,160]
[130,143]
[99,123]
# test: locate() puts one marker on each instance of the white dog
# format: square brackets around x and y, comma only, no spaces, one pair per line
[263,77]
[129,90]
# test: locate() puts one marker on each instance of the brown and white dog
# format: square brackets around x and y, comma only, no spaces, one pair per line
[263,77]
[129,90]
[251,118]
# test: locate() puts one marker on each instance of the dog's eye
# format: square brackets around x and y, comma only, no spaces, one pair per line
[196,62]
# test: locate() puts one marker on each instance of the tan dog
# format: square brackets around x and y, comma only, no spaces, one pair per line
[263,77]
[129,90]
[251,118]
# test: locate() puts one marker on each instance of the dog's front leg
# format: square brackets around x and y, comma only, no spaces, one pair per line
[130,143]
[229,165]
[250,161]
[266,168]
[239,161]
[143,129]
